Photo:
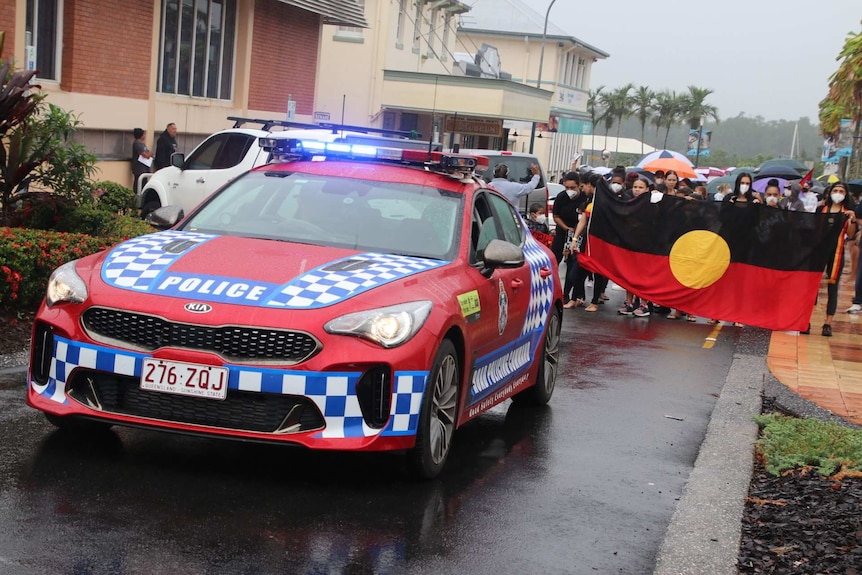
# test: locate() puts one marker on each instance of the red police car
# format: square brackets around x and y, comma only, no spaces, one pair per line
[346,296]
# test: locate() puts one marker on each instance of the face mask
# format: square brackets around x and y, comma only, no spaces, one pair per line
[541,219]
[837,198]
[743,188]
[571,193]
[659,181]
[617,188]
[771,200]
[787,193]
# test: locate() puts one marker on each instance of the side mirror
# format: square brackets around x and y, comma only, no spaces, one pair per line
[500,254]
[165,217]
[178,159]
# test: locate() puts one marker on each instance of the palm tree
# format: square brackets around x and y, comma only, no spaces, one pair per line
[667,109]
[607,115]
[621,108]
[694,107]
[593,100]
[845,97]
[642,106]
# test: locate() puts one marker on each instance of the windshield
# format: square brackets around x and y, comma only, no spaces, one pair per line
[341,212]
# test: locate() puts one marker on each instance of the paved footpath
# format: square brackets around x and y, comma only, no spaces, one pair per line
[824,370]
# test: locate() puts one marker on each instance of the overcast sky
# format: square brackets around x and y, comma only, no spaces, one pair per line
[769,58]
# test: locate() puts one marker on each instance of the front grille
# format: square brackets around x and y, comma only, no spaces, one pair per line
[232,343]
[241,410]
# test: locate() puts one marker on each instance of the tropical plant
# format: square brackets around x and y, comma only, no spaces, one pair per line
[593,104]
[621,107]
[844,99]
[642,108]
[668,107]
[694,109]
[607,115]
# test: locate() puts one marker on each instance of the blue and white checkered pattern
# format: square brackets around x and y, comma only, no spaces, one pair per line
[134,264]
[541,289]
[333,393]
[320,287]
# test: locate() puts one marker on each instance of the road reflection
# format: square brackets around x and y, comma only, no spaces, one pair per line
[146,502]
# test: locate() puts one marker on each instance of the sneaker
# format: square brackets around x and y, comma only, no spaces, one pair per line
[855,308]
[627,309]
[827,330]
[642,311]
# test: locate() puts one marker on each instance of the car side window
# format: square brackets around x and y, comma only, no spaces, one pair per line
[483,228]
[233,151]
[204,157]
[510,221]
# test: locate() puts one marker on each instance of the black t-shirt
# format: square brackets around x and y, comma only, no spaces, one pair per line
[568,208]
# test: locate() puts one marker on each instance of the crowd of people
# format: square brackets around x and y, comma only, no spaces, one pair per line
[572,208]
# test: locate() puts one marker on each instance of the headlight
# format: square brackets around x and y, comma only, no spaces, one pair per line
[387,326]
[65,285]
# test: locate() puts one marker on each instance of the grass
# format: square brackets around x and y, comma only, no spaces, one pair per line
[791,442]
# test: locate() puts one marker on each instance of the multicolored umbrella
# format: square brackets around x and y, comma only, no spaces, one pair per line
[662,155]
[683,168]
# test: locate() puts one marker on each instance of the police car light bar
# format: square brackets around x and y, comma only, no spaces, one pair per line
[317,150]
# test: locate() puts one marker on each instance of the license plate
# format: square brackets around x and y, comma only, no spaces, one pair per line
[184,378]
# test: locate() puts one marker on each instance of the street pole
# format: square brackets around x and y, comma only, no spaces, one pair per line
[541,62]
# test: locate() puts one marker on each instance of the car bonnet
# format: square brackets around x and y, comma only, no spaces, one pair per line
[251,272]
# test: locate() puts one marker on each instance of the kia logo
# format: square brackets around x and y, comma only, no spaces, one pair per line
[198,307]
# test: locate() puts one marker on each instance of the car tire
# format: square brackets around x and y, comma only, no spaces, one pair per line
[149,208]
[437,418]
[76,424]
[546,376]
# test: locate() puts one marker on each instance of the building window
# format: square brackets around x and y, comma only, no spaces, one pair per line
[197,48]
[417,28]
[447,22]
[399,26]
[44,20]
[432,31]
[350,32]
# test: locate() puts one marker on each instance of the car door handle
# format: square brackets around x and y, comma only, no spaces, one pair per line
[517,284]
[545,272]
[200,180]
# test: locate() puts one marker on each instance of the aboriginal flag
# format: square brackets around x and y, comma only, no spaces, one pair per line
[742,262]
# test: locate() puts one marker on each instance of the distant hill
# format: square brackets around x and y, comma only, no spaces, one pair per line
[735,139]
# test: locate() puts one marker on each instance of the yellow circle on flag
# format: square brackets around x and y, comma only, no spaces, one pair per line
[699,258]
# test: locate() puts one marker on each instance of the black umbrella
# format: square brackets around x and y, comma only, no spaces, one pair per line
[854,186]
[778,171]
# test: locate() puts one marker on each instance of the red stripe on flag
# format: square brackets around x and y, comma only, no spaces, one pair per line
[745,293]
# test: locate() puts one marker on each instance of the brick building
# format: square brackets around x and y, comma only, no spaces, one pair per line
[145,63]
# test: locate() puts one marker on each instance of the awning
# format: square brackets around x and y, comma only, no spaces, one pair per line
[337,12]
[464,95]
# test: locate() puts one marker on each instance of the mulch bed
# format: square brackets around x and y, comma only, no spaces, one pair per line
[802,523]
[15,330]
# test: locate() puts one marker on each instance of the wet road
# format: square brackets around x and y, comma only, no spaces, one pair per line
[586,485]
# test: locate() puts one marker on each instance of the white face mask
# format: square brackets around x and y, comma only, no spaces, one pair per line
[571,193]
[837,198]
[617,188]
[541,219]
[787,192]
[659,181]
[771,200]
[743,188]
